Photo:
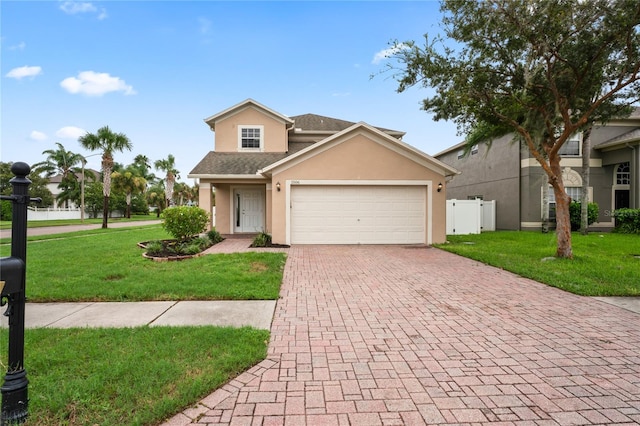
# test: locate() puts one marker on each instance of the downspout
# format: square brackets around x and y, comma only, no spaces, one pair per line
[634,187]
[519,187]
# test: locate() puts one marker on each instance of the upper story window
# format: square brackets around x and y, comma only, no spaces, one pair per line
[571,147]
[474,149]
[623,174]
[251,138]
[460,154]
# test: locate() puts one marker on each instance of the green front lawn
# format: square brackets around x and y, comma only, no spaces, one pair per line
[603,265]
[107,265]
[131,376]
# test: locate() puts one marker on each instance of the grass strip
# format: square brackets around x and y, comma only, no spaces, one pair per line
[132,376]
[604,264]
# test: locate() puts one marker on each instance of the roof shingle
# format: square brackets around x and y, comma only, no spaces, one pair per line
[235,163]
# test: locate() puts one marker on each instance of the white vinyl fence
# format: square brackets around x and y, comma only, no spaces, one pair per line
[35,213]
[470,216]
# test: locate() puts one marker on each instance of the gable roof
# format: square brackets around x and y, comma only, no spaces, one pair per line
[314,123]
[635,115]
[405,149]
[223,164]
[87,174]
[248,103]
[629,138]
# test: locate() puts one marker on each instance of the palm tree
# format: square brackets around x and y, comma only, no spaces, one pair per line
[129,182]
[143,165]
[155,196]
[169,167]
[194,193]
[182,192]
[70,191]
[61,162]
[107,141]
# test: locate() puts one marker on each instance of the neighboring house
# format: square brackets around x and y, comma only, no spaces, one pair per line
[90,175]
[311,179]
[508,173]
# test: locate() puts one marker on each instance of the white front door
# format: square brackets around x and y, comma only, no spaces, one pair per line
[248,210]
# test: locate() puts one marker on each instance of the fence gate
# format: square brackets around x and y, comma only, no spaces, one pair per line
[470,216]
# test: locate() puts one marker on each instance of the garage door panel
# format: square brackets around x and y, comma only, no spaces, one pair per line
[358,214]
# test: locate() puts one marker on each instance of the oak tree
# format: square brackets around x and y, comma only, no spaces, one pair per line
[542,70]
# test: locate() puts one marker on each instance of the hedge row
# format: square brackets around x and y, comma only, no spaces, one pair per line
[627,221]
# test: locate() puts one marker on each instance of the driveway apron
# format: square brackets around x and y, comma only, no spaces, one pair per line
[388,335]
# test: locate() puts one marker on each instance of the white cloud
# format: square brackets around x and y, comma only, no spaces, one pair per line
[340,94]
[19,46]
[38,136]
[386,53]
[25,71]
[70,132]
[75,7]
[93,83]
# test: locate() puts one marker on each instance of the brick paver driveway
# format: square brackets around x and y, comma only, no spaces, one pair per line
[367,335]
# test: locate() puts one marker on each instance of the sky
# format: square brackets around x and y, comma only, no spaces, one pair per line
[154,70]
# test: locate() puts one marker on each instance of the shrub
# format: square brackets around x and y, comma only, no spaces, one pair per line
[575,214]
[203,242]
[183,222]
[193,248]
[154,247]
[214,236]
[176,248]
[627,221]
[261,240]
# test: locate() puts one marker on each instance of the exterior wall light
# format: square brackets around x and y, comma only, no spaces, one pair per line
[439,187]
[278,186]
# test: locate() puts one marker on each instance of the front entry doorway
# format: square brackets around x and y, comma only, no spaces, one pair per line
[622,199]
[248,210]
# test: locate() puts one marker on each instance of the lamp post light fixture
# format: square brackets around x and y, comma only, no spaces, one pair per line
[439,186]
[278,186]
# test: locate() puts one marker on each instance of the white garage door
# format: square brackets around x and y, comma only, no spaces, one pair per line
[358,214]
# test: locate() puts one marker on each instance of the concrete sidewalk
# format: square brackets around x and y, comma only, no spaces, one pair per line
[253,313]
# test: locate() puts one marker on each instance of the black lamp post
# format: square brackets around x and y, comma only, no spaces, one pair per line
[15,400]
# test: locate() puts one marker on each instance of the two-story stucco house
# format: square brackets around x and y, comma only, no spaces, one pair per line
[53,185]
[509,174]
[311,179]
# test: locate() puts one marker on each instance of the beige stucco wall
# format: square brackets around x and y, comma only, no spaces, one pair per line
[223,197]
[205,200]
[358,158]
[275,133]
